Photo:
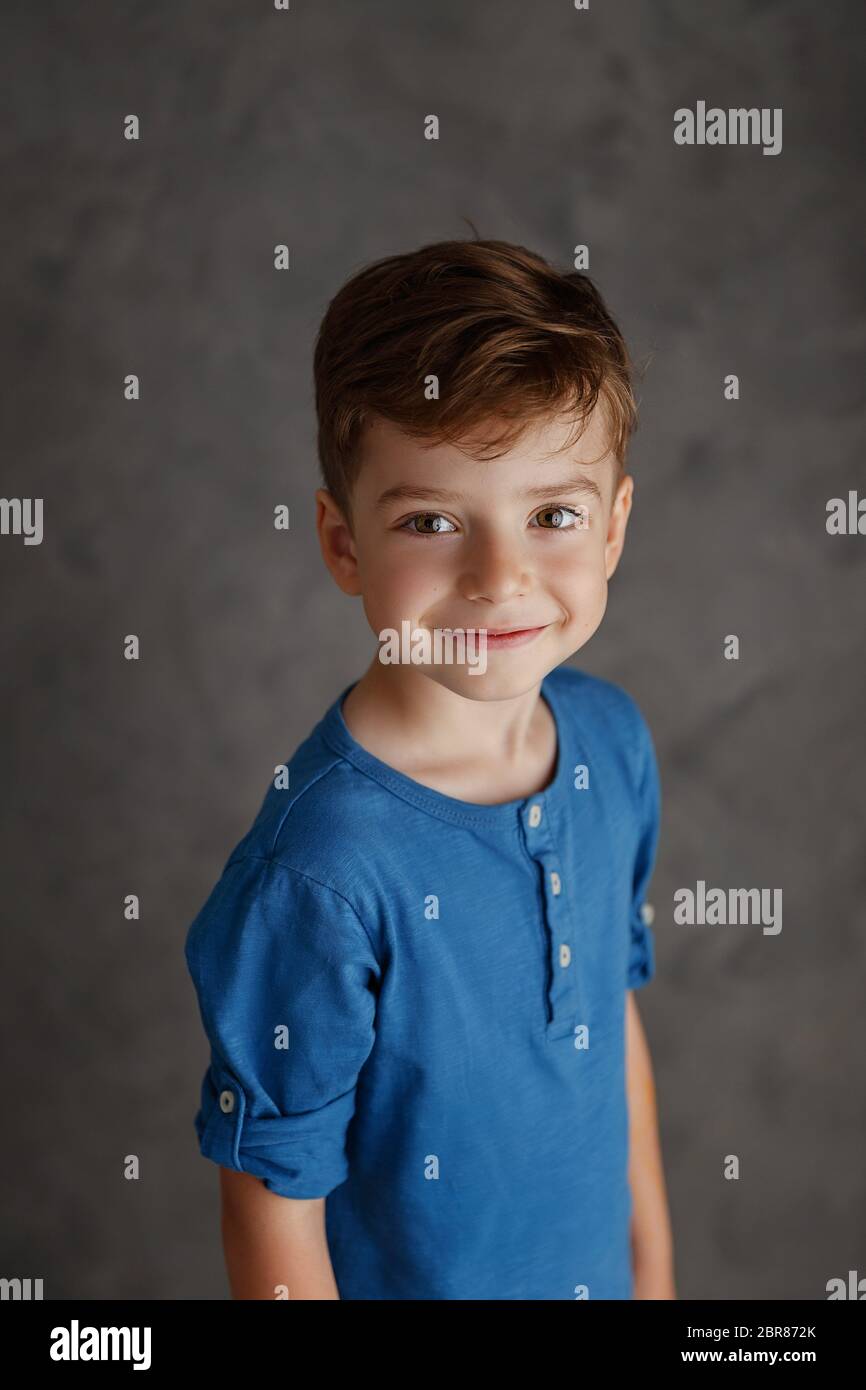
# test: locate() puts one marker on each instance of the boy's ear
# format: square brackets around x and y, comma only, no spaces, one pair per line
[617,522]
[337,545]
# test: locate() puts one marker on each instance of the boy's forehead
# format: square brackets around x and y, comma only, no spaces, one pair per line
[390,457]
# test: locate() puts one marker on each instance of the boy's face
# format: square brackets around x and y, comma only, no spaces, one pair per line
[448,542]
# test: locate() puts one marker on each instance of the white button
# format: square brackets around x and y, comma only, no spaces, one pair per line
[647,912]
[227,1101]
[564,953]
[535,815]
[555,883]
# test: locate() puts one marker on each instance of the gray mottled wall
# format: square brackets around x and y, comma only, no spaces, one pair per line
[156,257]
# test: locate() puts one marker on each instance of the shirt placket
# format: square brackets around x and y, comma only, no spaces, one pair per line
[558,919]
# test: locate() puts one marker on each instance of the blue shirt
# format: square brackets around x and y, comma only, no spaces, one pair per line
[416,1008]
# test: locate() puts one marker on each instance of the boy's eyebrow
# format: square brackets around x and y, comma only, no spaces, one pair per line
[580,484]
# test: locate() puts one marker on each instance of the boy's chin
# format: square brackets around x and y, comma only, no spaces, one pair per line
[500,680]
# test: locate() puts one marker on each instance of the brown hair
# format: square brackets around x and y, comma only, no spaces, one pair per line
[507,335]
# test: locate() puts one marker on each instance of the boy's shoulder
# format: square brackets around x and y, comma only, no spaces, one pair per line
[603,711]
[314,810]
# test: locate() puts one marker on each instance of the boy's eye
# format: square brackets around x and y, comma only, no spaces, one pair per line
[558,518]
[431,524]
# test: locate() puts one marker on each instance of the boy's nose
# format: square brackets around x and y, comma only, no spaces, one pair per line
[495,571]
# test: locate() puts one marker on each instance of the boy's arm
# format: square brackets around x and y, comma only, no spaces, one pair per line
[271,1241]
[652,1243]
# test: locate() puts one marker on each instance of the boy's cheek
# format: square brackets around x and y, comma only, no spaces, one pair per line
[587,615]
[580,561]
[388,604]
[397,590]
[581,587]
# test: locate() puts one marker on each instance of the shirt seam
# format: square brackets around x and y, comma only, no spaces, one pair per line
[290,868]
[293,802]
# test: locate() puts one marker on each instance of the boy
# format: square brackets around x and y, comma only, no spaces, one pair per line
[428,1076]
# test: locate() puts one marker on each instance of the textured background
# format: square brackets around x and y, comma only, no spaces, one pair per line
[119,777]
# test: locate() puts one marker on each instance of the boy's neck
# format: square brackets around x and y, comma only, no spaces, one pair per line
[483,751]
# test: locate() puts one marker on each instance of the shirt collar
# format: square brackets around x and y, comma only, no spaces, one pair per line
[336,733]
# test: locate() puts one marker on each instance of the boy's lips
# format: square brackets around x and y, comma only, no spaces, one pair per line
[502,637]
[512,637]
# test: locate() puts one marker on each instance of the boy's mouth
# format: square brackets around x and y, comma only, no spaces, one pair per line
[511,637]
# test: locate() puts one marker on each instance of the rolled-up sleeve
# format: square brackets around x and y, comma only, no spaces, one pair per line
[641,958]
[287,980]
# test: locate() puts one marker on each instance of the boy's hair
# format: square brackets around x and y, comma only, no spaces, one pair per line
[508,337]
